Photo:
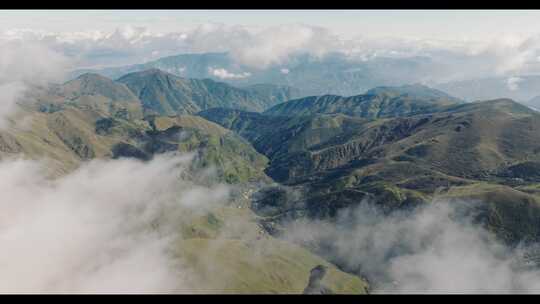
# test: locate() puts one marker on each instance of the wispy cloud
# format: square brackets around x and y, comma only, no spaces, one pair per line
[224,74]
[260,48]
[26,63]
[513,83]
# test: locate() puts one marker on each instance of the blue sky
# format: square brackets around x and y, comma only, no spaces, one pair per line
[448,25]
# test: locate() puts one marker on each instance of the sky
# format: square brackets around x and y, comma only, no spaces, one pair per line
[486,42]
[426,24]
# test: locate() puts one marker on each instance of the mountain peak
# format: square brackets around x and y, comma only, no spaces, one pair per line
[415,90]
[505,105]
[152,72]
[90,79]
[93,83]
[164,93]
[378,102]
[93,77]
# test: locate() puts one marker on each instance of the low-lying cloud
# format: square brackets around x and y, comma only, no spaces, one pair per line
[107,227]
[224,74]
[436,249]
[261,48]
[25,64]
[513,83]
[111,227]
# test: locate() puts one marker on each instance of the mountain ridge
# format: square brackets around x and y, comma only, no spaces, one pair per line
[337,160]
[167,94]
[379,102]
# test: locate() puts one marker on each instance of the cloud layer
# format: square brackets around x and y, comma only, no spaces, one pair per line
[261,48]
[436,249]
[24,64]
[95,230]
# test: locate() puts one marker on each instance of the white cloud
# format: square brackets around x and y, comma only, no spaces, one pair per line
[275,45]
[30,62]
[512,54]
[93,230]
[433,249]
[259,48]
[284,71]
[513,83]
[248,46]
[224,74]
[23,64]
[10,94]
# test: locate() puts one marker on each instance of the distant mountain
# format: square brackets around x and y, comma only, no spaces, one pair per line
[95,84]
[166,94]
[333,73]
[157,92]
[184,65]
[275,93]
[519,88]
[414,91]
[94,92]
[376,103]
[534,103]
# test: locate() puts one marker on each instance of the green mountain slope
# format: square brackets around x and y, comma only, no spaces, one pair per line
[250,260]
[337,160]
[333,73]
[398,147]
[94,92]
[82,129]
[73,132]
[275,93]
[376,103]
[166,94]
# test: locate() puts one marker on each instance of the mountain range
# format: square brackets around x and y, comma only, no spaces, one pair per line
[336,74]
[333,73]
[398,147]
[93,117]
[402,159]
[521,88]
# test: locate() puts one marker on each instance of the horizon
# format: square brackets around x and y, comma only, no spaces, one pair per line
[505,40]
